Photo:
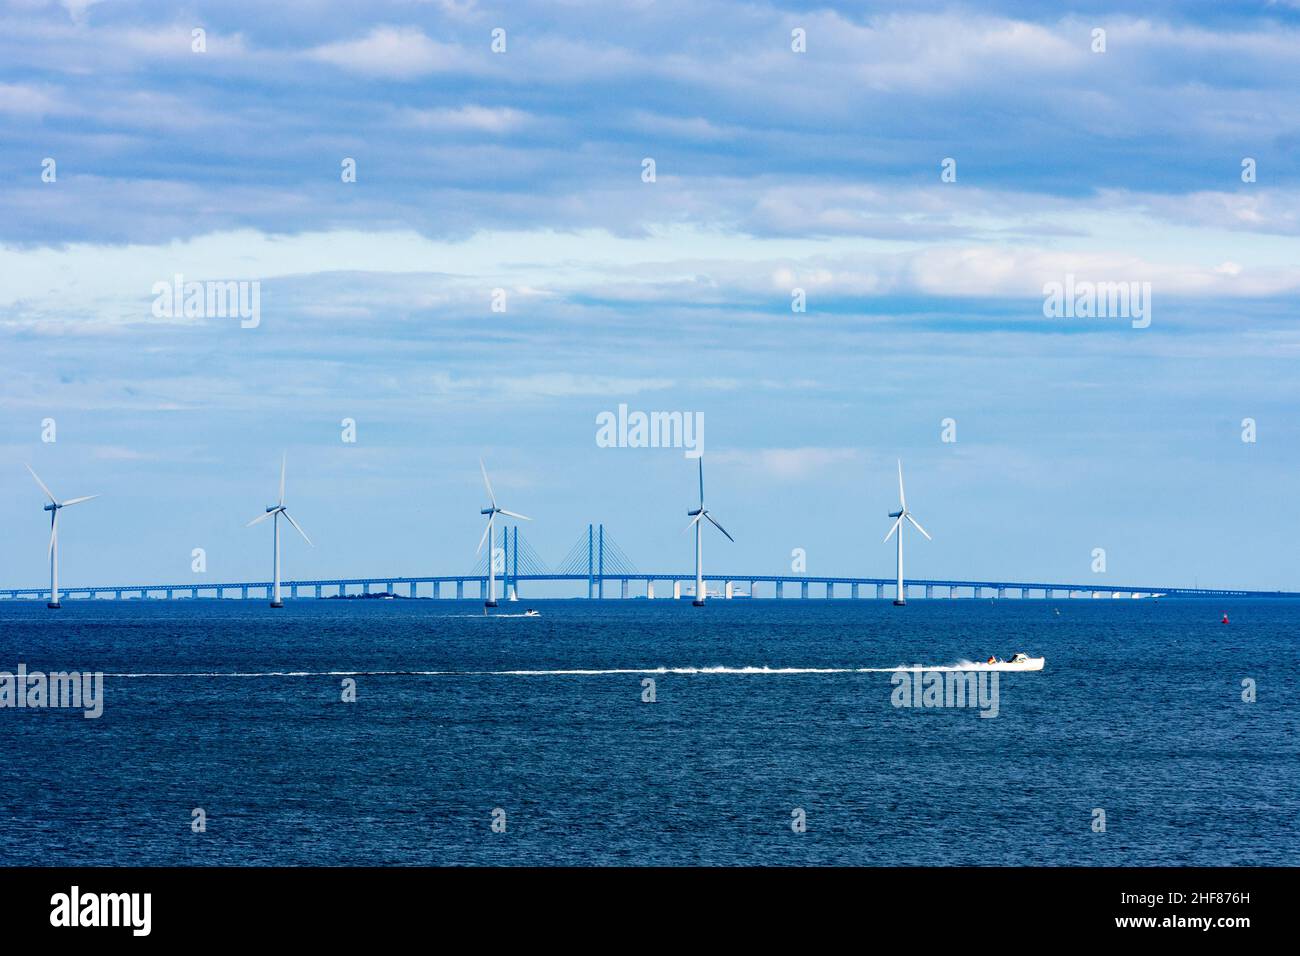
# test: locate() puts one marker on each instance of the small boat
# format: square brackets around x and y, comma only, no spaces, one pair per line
[532,613]
[1019,662]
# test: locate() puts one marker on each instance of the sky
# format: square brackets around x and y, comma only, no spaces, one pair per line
[503,270]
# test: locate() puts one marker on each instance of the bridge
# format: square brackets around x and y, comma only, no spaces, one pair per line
[596,559]
[642,585]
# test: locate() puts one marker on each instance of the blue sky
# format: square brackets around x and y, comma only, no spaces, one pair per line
[522,171]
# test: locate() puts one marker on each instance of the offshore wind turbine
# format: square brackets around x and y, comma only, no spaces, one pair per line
[54,507]
[492,511]
[900,514]
[273,512]
[696,519]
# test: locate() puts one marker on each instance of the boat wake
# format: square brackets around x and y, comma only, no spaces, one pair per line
[595,672]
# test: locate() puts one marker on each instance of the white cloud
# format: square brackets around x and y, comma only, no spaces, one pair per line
[393,52]
[788,464]
[24,100]
[481,119]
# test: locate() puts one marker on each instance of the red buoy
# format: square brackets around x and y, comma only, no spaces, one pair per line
[1225,619]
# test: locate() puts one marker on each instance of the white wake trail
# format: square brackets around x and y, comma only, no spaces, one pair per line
[579,672]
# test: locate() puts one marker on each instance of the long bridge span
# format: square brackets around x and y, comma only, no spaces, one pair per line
[639,584]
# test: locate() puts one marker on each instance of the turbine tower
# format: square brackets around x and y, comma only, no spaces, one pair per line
[492,511]
[53,508]
[273,512]
[696,515]
[900,514]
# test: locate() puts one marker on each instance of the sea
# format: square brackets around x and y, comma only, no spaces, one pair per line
[635,732]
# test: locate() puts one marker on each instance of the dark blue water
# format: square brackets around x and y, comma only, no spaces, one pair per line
[1138,712]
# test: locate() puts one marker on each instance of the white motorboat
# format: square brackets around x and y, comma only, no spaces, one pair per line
[1019,662]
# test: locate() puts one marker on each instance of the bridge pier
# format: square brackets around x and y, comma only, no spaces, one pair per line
[853,590]
[780,589]
[803,589]
[243,593]
[929,591]
[412,591]
[623,589]
[677,590]
[727,590]
[880,592]
[1002,592]
[952,593]
[460,589]
[169,594]
[194,592]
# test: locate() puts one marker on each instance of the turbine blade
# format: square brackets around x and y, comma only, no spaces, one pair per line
[719,527]
[918,527]
[491,496]
[48,494]
[701,461]
[486,532]
[902,498]
[289,519]
[693,522]
[260,518]
[77,501]
[284,460]
[502,511]
[893,528]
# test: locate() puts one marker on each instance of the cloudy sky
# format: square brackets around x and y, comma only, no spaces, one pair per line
[775,170]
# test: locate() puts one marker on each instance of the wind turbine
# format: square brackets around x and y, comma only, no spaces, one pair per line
[492,511]
[900,514]
[53,508]
[273,512]
[696,515]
